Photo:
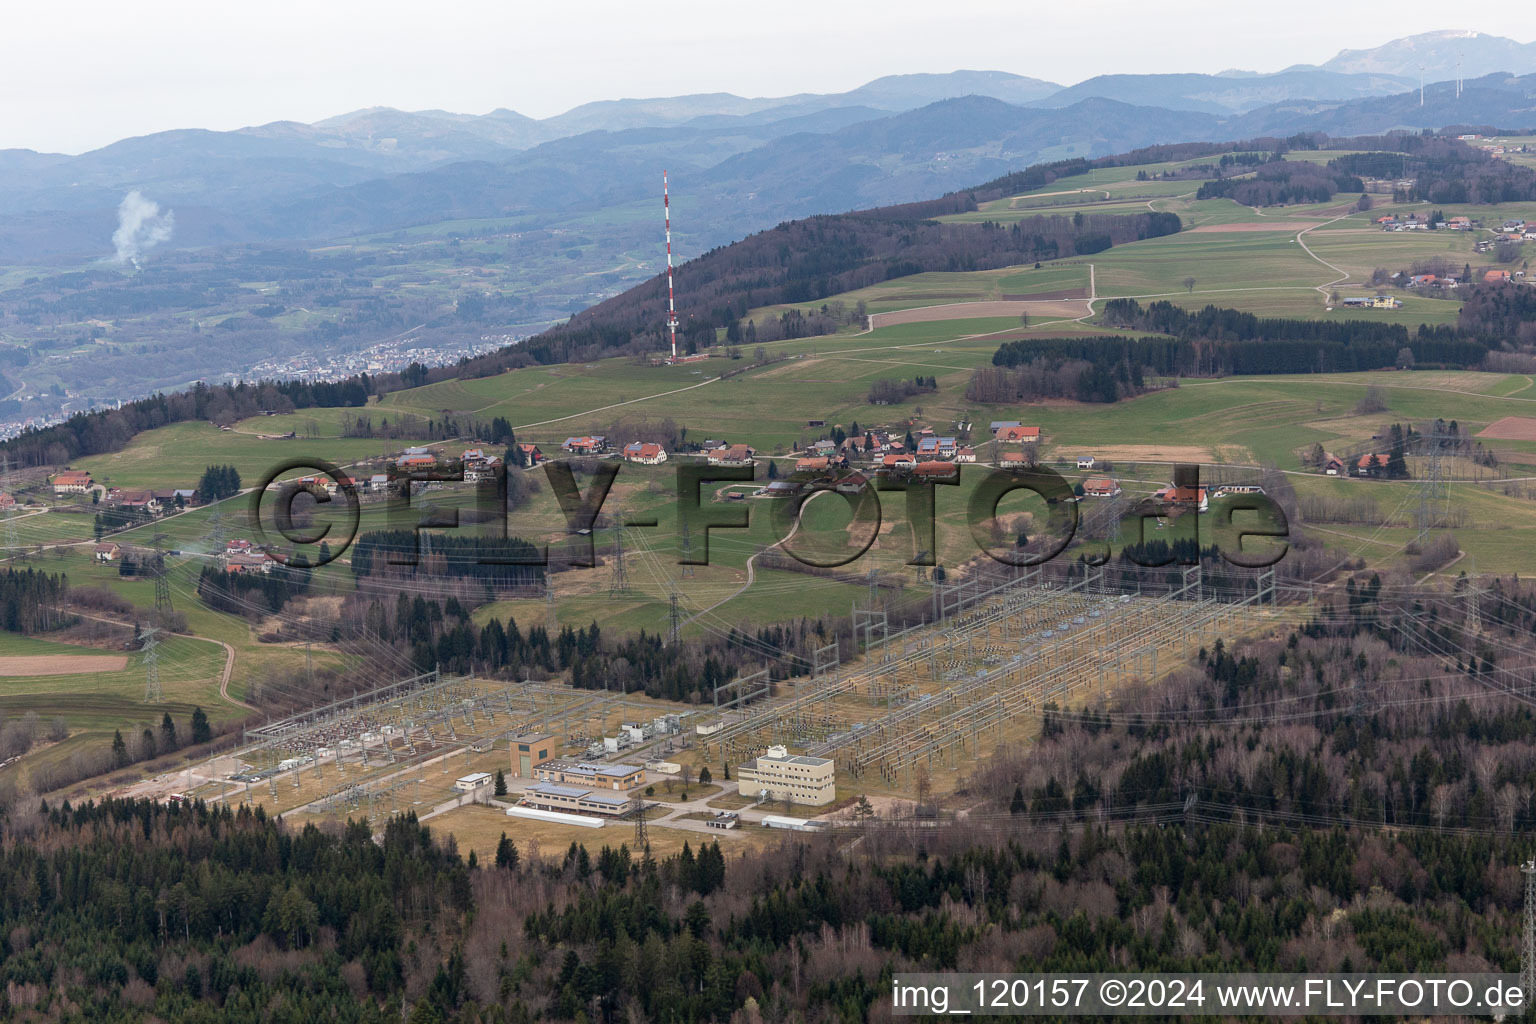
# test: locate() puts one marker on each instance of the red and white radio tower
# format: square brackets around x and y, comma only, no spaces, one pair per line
[666,205]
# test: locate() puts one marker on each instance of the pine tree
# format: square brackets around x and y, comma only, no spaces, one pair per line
[167,732]
[201,732]
[119,749]
[506,853]
[501,782]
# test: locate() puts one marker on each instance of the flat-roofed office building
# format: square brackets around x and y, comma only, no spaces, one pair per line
[780,775]
[551,796]
[614,776]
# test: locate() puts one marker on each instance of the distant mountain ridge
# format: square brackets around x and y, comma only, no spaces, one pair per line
[742,162]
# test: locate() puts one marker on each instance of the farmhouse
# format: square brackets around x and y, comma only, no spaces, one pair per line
[1027,435]
[1332,465]
[1370,465]
[780,775]
[72,481]
[646,453]
[529,454]
[138,500]
[1015,459]
[731,455]
[936,469]
[897,462]
[997,425]
[108,552]
[1185,497]
[1496,277]
[853,483]
[247,562]
[585,445]
[1100,487]
[416,460]
[7,501]
[965,454]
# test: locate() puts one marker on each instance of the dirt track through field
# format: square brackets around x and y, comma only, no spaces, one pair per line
[975,310]
[61,664]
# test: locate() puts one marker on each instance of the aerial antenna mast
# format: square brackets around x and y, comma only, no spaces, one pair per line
[666,206]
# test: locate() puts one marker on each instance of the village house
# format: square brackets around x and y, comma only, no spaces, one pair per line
[1332,464]
[1100,487]
[483,468]
[965,454]
[529,455]
[1086,462]
[108,552]
[645,453]
[7,501]
[378,483]
[1013,459]
[935,448]
[897,462]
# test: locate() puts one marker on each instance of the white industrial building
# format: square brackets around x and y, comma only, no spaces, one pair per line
[780,775]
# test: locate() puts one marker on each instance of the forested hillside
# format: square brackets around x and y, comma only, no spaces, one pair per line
[1347,796]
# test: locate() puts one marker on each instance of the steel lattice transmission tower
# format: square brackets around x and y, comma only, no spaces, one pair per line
[685,550]
[1434,495]
[1528,939]
[674,619]
[152,692]
[637,808]
[619,583]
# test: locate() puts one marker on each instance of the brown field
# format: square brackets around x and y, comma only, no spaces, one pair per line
[1511,428]
[973,310]
[61,664]
[1060,293]
[1152,453]
[1253,225]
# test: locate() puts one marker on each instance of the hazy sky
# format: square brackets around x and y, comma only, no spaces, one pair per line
[74,76]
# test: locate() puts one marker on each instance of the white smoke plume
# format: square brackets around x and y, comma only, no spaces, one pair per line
[140,227]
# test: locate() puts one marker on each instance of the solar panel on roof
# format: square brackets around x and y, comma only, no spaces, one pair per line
[612,799]
[555,789]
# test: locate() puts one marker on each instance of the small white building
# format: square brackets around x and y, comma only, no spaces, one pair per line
[470,783]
